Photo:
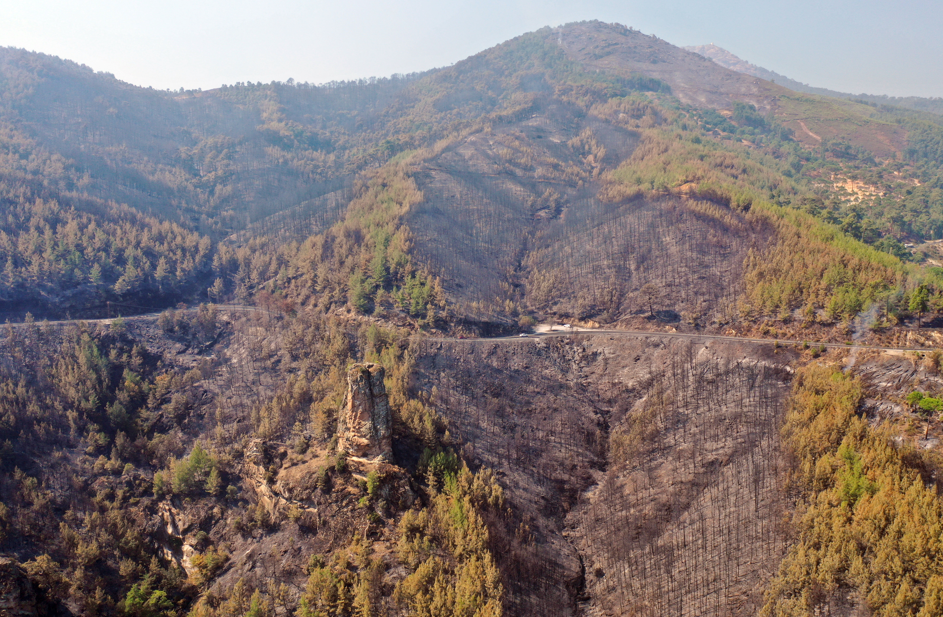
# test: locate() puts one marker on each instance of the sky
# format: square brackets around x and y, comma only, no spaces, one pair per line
[863,46]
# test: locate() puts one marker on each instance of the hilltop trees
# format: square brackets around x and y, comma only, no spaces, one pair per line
[193,474]
[867,515]
[47,248]
[109,212]
[919,301]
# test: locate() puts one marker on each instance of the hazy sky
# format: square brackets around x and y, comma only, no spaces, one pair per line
[862,46]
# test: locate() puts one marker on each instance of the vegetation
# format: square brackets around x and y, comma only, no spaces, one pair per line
[350,241]
[47,248]
[365,260]
[811,264]
[194,474]
[866,516]
[112,397]
[145,460]
[98,395]
[446,546]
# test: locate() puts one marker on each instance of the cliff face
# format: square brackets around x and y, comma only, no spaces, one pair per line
[366,423]
[17,597]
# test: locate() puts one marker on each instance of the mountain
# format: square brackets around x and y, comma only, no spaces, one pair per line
[543,120]
[726,59]
[632,333]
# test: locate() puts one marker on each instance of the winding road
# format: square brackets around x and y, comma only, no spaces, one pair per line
[563,333]
[676,335]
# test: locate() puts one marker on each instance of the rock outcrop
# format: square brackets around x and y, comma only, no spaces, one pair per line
[17,596]
[366,424]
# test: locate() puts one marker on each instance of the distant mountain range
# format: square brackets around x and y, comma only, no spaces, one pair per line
[728,60]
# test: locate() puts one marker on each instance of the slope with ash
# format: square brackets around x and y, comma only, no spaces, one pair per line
[644,478]
[194,460]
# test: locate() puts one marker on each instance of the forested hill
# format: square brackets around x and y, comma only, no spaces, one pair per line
[514,181]
[344,253]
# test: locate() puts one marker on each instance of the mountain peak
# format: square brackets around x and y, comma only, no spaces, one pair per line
[693,78]
[727,59]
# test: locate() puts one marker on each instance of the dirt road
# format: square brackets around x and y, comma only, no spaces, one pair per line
[681,335]
[570,332]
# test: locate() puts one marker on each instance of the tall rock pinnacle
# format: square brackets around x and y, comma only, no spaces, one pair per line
[366,424]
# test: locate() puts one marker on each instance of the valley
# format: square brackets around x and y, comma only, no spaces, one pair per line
[285,349]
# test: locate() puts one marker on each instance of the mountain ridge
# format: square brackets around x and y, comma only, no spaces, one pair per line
[733,62]
[237,156]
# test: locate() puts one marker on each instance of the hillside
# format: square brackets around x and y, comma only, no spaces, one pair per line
[530,132]
[285,349]
[240,386]
[614,452]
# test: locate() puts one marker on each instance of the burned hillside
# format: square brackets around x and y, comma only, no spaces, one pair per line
[644,478]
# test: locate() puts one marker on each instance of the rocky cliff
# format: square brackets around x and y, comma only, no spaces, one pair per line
[17,596]
[366,423]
